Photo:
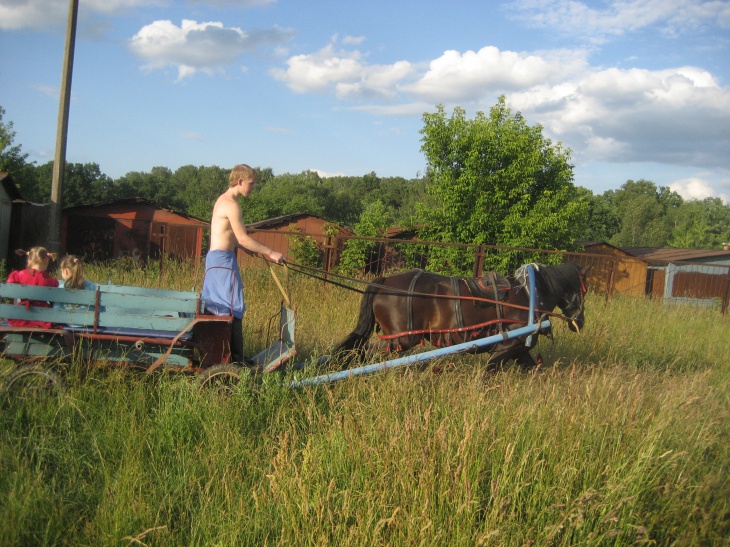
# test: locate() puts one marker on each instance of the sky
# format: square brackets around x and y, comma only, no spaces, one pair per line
[636,89]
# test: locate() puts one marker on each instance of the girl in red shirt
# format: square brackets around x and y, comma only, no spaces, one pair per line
[34,274]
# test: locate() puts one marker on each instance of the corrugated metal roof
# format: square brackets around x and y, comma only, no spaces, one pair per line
[133,201]
[400,231]
[666,254]
[288,219]
[588,244]
[278,221]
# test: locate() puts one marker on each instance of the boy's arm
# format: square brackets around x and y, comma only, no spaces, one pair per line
[245,241]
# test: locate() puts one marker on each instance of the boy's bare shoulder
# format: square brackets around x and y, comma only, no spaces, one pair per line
[224,204]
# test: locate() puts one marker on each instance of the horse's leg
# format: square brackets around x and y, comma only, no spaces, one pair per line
[525,360]
[516,352]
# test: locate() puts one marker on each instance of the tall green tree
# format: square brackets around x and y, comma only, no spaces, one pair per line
[85,183]
[82,183]
[374,222]
[498,180]
[199,187]
[286,194]
[700,224]
[643,209]
[157,185]
[603,220]
[13,160]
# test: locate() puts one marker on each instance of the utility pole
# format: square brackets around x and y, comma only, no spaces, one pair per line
[59,161]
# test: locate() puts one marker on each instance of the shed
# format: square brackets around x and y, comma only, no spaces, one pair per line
[278,233]
[700,276]
[619,272]
[29,228]
[8,194]
[133,227]
[26,223]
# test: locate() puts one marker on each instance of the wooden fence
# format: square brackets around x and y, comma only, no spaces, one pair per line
[696,283]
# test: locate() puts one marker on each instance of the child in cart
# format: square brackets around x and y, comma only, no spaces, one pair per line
[72,277]
[34,274]
[72,274]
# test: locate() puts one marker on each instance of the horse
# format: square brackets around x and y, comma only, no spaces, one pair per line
[416,306]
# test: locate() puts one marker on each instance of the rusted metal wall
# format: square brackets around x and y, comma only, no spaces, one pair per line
[698,285]
[279,238]
[138,230]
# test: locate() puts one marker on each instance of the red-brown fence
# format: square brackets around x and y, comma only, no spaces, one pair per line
[699,283]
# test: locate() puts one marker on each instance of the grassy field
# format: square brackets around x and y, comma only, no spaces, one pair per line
[623,438]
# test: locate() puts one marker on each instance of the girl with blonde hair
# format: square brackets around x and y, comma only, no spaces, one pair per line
[34,274]
[72,273]
[72,277]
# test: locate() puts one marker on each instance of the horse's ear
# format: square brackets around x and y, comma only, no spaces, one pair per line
[584,271]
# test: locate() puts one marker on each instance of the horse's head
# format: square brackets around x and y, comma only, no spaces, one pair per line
[573,303]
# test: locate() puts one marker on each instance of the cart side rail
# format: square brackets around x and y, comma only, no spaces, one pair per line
[110,306]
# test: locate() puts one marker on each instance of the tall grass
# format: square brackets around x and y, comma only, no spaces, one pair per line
[621,439]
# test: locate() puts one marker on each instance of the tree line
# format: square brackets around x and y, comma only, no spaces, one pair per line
[492,179]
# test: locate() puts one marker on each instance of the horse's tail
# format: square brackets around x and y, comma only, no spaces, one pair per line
[356,340]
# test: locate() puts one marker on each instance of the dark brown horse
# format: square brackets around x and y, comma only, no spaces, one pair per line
[413,306]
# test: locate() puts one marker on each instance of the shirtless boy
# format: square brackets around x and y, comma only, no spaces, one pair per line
[222,287]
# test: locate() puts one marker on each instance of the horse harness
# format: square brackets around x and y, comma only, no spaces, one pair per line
[488,290]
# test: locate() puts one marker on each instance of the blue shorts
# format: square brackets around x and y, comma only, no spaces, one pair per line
[222,287]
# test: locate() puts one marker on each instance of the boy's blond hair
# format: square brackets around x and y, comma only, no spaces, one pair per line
[241,171]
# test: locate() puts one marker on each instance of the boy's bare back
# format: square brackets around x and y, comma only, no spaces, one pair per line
[227,231]
[222,234]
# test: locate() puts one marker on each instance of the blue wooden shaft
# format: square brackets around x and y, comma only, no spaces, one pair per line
[533,291]
[420,357]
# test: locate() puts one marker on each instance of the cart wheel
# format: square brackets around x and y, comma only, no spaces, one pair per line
[32,382]
[222,378]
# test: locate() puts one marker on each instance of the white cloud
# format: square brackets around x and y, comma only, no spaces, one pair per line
[40,14]
[319,71]
[696,188]
[32,14]
[353,40]
[115,6]
[677,116]
[194,47]
[344,73]
[619,16]
[280,130]
[462,77]
[233,3]
[402,109]
[192,136]
[48,90]
[326,174]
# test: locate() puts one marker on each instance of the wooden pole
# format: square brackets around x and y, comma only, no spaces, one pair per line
[59,162]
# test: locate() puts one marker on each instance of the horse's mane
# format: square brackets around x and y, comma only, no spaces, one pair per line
[551,279]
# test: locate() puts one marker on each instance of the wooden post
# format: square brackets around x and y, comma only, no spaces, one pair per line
[479,255]
[726,296]
[59,162]
[611,280]
[327,253]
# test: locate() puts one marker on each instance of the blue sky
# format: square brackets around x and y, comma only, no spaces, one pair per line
[635,88]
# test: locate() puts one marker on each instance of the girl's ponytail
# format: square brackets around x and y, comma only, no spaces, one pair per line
[75,266]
